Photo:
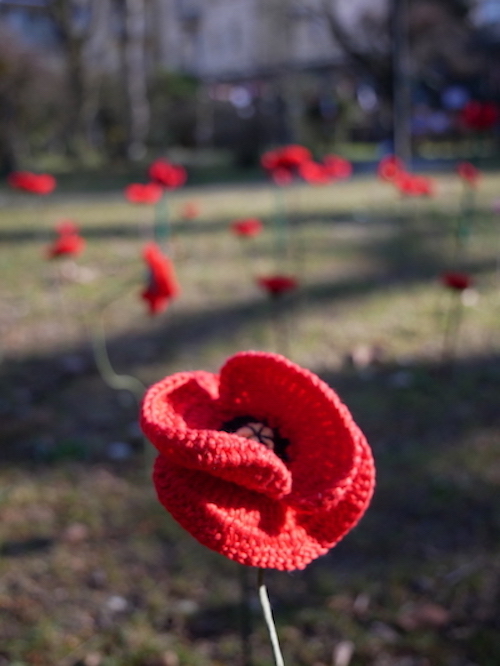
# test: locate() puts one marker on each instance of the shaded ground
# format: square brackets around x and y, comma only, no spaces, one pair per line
[92,570]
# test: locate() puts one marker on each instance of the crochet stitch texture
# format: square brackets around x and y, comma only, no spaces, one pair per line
[237,495]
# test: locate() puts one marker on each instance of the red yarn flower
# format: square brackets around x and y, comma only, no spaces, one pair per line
[337,167]
[479,116]
[41,184]
[276,285]
[162,284]
[139,193]
[288,157]
[167,174]
[281,176]
[390,167]
[190,210]
[69,243]
[468,173]
[248,227]
[456,280]
[411,185]
[314,173]
[261,463]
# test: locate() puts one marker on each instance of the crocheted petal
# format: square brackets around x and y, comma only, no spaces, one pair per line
[245,526]
[328,526]
[324,442]
[180,416]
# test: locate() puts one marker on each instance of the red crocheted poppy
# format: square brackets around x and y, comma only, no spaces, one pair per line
[248,227]
[261,463]
[281,176]
[276,285]
[468,173]
[162,284]
[190,210]
[41,184]
[389,168]
[479,116]
[167,174]
[314,173]
[338,167]
[288,157]
[456,281]
[67,244]
[411,185]
[148,193]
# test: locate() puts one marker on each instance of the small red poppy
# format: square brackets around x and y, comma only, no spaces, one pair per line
[338,167]
[261,463]
[68,243]
[479,116]
[148,193]
[288,157]
[162,284]
[167,174]
[40,184]
[468,173]
[456,281]
[411,185]
[281,176]
[248,227]
[390,167]
[276,285]
[314,173]
[190,210]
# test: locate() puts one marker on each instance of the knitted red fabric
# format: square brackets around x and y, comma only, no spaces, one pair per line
[250,226]
[468,173]
[167,174]
[338,167]
[42,183]
[140,193]
[162,283]
[456,280]
[258,506]
[66,245]
[276,285]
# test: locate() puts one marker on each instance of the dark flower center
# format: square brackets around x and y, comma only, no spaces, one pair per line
[258,431]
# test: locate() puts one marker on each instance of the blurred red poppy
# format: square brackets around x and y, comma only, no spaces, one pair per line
[411,185]
[281,176]
[479,116]
[68,243]
[167,174]
[190,210]
[468,173]
[276,285]
[261,463]
[456,280]
[140,193]
[338,167]
[162,284]
[42,183]
[288,157]
[248,227]
[314,173]
[390,167]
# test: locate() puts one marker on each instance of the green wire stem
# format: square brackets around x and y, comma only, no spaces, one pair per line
[105,369]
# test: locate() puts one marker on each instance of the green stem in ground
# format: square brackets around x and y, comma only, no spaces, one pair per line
[268,616]
[162,227]
[281,230]
[106,371]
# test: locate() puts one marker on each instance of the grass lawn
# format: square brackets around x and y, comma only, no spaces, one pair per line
[93,572]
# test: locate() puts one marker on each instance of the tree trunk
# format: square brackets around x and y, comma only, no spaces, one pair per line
[135,78]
